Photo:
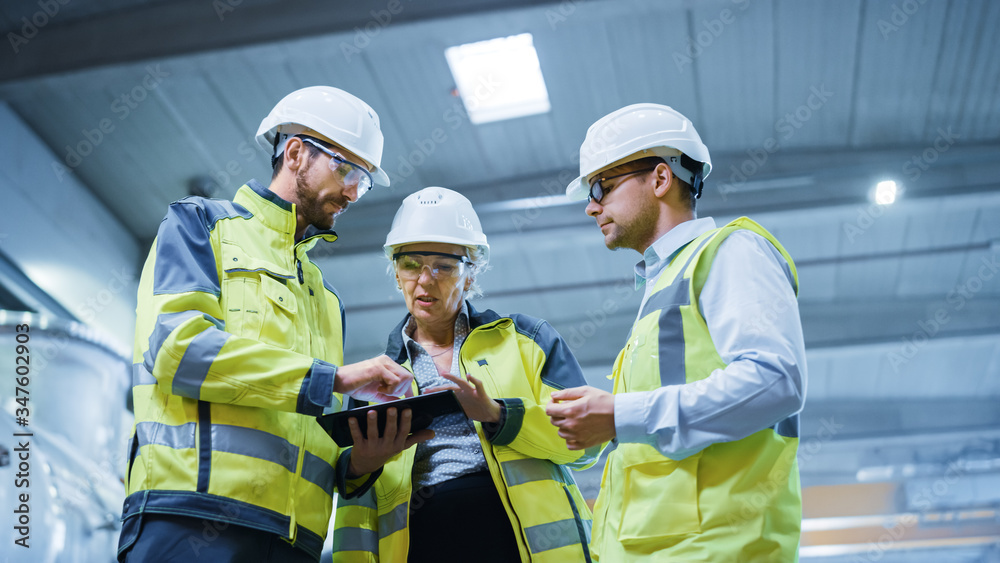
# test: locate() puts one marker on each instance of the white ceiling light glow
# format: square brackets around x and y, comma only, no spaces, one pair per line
[499,78]
[885,192]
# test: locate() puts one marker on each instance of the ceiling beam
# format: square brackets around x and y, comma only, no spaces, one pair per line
[841,324]
[826,326]
[794,181]
[847,439]
[902,324]
[902,423]
[837,438]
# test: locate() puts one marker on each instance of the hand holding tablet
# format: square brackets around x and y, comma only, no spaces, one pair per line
[425,408]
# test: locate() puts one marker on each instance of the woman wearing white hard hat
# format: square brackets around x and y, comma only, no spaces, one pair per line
[493,486]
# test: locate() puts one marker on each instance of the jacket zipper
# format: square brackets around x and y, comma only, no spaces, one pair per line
[493,463]
[296,480]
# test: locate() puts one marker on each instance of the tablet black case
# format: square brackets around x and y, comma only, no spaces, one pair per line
[425,409]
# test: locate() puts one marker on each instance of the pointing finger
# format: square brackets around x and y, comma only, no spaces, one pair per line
[478,383]
[462,384]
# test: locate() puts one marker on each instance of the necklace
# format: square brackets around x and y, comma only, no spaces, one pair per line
[447,348]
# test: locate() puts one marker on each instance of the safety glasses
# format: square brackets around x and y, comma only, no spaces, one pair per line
[598,189]
[349,173]
[442,266]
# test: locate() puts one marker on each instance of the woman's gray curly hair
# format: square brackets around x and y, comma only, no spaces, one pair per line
[479,265]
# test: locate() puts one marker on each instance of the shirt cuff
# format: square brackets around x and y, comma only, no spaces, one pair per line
[317,388]
[630,418]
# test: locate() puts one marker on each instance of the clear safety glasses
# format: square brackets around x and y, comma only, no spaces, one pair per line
[349,173]
[598,189]
[442,266]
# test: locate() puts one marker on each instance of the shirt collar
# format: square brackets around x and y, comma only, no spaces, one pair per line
[663,250]
[410,326]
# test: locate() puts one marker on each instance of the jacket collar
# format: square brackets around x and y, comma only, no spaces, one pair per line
[277,214]
[395,350]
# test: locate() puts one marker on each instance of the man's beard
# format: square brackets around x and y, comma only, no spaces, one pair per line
[636,233]
[309,206]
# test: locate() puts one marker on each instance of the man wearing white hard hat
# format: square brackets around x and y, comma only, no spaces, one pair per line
[240,344]
[493,486]
[712,375]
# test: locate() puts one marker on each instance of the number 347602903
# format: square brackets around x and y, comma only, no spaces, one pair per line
[22,370]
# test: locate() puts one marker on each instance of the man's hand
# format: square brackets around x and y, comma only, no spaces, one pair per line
[476,403]
[371,452]
[377,380]
[585,416]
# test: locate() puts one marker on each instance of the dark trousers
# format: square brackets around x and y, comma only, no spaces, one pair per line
[166,538]
[461,520]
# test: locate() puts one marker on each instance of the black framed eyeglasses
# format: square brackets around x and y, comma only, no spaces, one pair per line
[348,172]
[598,190]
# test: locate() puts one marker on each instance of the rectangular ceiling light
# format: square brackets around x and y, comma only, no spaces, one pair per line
[499,78]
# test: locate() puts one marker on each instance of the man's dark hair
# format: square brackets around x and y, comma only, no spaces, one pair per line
[278,160]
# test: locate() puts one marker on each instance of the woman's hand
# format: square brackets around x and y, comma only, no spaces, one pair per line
[476,403]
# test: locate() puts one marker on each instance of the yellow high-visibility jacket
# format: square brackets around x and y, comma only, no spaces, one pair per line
[524,360]
[734,501]
[236,348]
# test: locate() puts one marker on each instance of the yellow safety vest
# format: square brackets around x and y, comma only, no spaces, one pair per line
[515,356]
[732,501]
[236,341]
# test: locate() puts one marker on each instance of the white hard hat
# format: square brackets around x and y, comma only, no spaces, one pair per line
[641,131]
[334,114]
[437,215]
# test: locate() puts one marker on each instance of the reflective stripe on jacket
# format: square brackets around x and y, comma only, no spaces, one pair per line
[732,501]
[237,339]
[524,360]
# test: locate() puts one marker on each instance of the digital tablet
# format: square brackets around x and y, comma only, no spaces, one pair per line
[425,409]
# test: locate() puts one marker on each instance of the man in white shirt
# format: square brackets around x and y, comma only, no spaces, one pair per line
[712,376]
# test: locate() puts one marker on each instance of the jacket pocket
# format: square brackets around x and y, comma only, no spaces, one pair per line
[279,310]
[660,499]
[256,299]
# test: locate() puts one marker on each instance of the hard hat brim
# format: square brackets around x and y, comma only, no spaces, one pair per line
[578,190]
[380,177]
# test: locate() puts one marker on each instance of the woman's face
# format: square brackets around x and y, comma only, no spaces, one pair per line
[431,300]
